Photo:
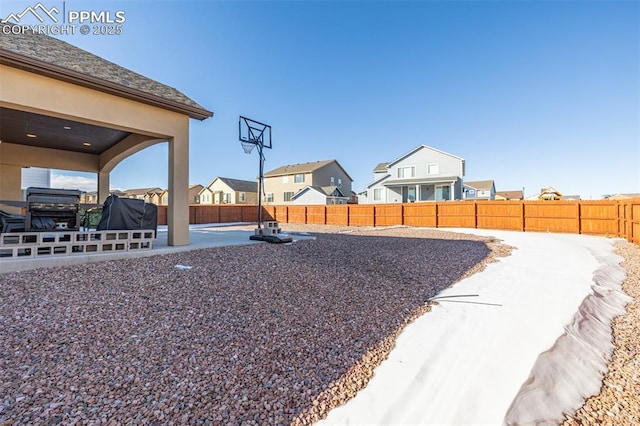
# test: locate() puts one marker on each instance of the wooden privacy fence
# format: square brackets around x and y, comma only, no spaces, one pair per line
[604,217]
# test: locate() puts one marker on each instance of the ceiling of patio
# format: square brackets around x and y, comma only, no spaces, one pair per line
[27,128]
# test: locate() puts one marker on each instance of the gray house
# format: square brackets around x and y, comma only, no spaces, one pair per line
[422,174]
[479,190]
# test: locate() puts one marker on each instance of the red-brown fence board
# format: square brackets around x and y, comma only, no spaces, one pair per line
[598,218]
[388,214]
[268,213]
[420,214]
[456,215]
[162,215]
[505,215]
[317,215]
[297,214]
[282,214]
[551,216]
[250,214]
[230,213]
[337,215]
[361,215]
[603,217]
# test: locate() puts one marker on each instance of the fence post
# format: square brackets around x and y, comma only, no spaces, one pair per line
[522,216]
[475,214]
[436,214]
[579,213]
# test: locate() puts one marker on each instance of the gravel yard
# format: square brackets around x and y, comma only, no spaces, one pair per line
[257,334]
[618,402]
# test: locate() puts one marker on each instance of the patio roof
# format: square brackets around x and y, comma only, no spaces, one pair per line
[420,181]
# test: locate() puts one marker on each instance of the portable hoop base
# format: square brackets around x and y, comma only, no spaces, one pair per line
[270,232]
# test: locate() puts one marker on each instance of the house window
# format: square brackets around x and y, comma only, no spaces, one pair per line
[285,179]
[377,194]
[288,195]
[433,169]
[339,183]
[242,197]
[407,172]
[227,197]
[443,192]
[268,197]
[165,199]
[299,178]
[333,181]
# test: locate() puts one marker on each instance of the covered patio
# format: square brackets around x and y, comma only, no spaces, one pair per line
[423,189]
[64,108]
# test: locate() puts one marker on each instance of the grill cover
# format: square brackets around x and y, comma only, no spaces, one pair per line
[127,214]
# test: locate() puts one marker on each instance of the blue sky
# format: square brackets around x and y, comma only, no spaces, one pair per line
[530,94]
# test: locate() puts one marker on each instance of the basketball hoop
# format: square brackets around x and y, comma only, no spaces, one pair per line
[248,146]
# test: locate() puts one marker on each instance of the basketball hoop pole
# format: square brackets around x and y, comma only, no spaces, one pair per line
[260,179]
[252,133]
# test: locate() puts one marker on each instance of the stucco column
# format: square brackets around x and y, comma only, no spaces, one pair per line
[178,208]
[452,194]
[10,180]
[103,186]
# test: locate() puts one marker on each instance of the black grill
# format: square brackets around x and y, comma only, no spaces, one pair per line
[52,209]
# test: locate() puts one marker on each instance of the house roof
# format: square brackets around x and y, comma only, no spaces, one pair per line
[419,147]
[378,181]
[57,59]
[381,167]
[510,194]
[482,185]
[417,181]
[141,191]
[324,190]
[624,196]
[238,184]
[310,167]
[549,190]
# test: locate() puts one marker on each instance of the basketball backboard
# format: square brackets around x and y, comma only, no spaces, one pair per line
[251,131]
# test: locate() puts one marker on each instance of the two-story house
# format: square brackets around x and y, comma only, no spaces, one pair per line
[315,178]
[479,190]
[229,191]
[422,174]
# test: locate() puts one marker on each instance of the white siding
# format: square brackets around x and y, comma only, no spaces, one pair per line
[447,165]
[311,197]
[36,177]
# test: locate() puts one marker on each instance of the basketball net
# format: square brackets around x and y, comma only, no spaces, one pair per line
[248,146]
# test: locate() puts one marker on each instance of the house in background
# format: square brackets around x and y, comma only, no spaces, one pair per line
[479,190]
[194,191]
[281,184]
[205,196]
[622,196]
[140,193]
[230,191]
[154,196]
[547,194]
[509,195]
[571,197]
[422,174]
[320,195]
